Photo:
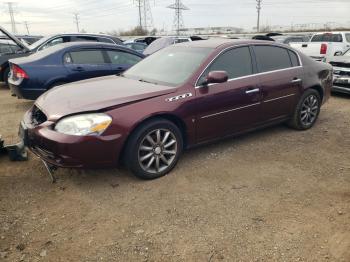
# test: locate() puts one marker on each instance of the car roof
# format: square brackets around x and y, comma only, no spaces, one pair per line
[220,42]
[82,34]
[69,45]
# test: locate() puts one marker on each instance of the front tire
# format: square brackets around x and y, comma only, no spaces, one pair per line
[307,110]
[153,149]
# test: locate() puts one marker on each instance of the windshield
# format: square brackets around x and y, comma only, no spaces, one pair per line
[171,66]
[39,42]
[347,53]
[158,45]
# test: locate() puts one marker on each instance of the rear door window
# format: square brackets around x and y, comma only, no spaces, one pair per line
[8,47]
[181,40]
[105,40]
[236,62]
[294,58]
[55,41]
[270,58]
[86,57]
[347,38]
[122,58]
[84,39]
[327,38]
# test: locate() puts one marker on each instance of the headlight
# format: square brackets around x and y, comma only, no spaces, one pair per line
[84,125]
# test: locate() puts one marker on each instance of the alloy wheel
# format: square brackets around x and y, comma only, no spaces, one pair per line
[309,110]
[157,150]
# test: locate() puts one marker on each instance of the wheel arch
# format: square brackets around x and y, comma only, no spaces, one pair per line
[170,117]
[53,82]
[319,89]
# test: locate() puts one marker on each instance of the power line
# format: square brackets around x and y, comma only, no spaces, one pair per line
[178,6]
[258,8]
[12,17]
[76,20]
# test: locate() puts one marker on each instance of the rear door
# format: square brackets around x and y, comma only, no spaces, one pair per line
[230,107]
[280,77]
[121,60]
[86,63]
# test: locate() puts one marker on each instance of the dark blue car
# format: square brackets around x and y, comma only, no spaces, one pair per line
[33,75]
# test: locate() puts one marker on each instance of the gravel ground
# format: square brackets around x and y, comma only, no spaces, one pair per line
[271,195]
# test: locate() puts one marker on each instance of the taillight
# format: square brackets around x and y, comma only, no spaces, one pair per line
[323,50]
[18,72]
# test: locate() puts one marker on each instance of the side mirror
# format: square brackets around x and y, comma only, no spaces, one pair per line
[215,77]
[338,53]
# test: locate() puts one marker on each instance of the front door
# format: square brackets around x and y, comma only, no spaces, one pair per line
[227,108]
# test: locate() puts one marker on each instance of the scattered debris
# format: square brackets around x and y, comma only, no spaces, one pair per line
[21,247]
[43,253]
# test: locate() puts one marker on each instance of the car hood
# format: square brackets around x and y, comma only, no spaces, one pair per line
[95,95]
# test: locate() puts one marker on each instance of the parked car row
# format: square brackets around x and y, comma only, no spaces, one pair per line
[323,45]
[341,72]
[24,50]
[33,75]
[333,48]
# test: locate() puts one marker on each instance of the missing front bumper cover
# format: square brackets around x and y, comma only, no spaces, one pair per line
[51,170]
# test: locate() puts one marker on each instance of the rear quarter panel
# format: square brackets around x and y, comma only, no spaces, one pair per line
[45,72]
[317,74]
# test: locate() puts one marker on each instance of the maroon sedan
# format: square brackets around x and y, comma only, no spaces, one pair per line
[181,96]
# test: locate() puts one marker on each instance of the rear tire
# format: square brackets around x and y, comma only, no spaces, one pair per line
[5,76]
[153,149]
[307,110]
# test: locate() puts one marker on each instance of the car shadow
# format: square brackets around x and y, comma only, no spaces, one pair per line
[341,95]
[121,176]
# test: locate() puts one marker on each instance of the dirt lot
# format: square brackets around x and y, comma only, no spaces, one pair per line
[272,195]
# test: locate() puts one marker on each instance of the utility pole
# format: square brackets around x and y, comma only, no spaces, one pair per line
[178,6]
[258,7]
[139,4]
[144,14]
[76,20]
[27,27]
[147,15]
[12,17]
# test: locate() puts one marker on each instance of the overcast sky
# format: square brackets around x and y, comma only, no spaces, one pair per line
[53,16]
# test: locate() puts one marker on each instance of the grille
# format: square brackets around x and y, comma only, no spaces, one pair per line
[342,85]
[38,117]
[342,73]
[339,64]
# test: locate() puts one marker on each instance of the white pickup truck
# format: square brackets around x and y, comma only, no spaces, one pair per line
[323,45]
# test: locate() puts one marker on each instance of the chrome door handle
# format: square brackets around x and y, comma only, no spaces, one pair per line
[250,91]
[296,80]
